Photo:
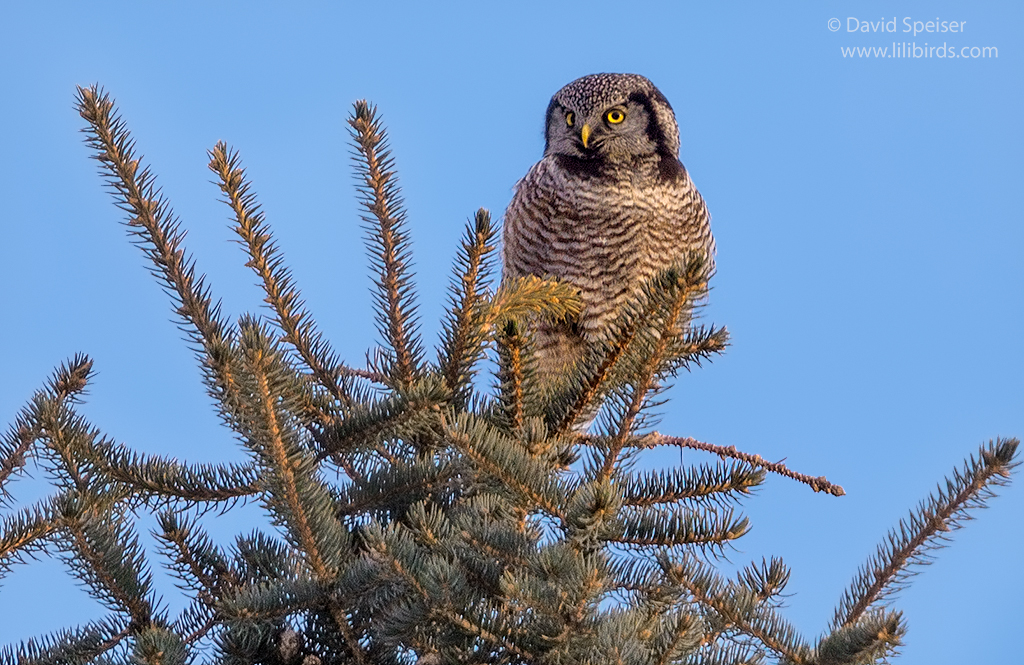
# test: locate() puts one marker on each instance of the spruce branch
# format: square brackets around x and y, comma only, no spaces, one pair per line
[477,629]
[150,218]
[388,244]
[162,480]
[201,567]
[637,352]
[272,600]
[476,317]
[158,232]
[679,632]
[725,653]
[71,378]
[405,481]
[296,495]
[15,447]
[525,296]
[84,644]
[655,527]
[721,484]
[259,557]
[294,492]
[498,456]
[514,375]
[81,457]
[873,638]
[587,384]
[485,548]
[673,295]
[156,645]
[69,450]
[103,551]
[401,412]
[68,381]
[698,344]
[197,622]
[32,529]
[282,296]
[464,332]
[25,533]
[733,607]
[766,580]
[368,374]
[927,529]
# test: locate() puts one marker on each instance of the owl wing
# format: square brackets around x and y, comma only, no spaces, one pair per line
[685,225]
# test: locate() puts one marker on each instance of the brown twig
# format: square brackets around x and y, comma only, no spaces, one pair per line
[818,484]
[367,374]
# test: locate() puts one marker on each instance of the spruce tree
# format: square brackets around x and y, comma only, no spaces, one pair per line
[419,513]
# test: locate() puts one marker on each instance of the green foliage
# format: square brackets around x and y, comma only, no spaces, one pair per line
[416,518]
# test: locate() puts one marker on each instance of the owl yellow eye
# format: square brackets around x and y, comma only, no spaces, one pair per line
[615,116]
[569,118]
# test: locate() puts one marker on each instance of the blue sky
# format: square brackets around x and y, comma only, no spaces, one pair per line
[866,210]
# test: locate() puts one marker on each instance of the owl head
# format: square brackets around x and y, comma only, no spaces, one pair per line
[612,118]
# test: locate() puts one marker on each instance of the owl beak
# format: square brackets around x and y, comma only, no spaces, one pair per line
[585,135]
